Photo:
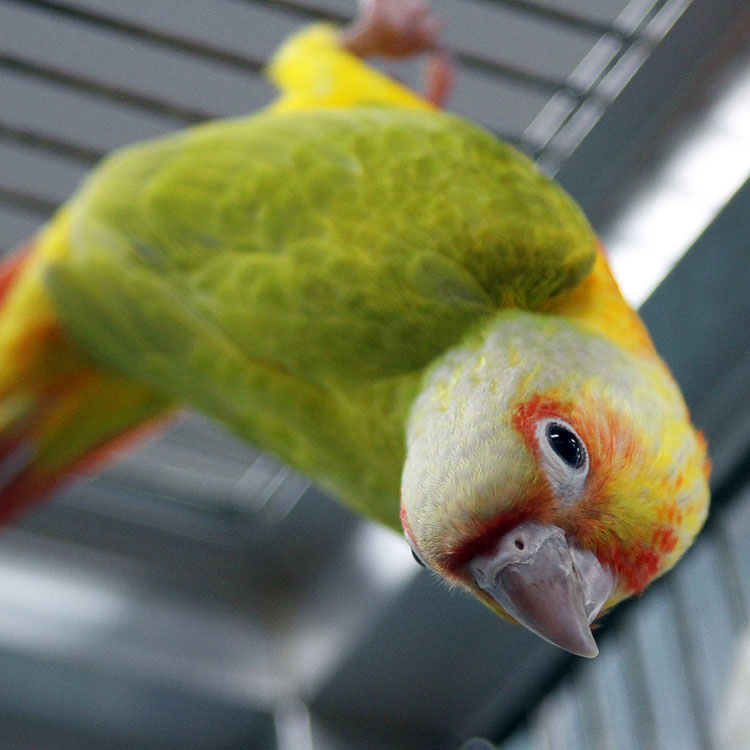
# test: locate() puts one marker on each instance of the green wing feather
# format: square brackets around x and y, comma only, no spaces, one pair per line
[293,274]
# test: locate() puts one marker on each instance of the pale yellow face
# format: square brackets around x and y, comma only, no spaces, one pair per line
[492,443]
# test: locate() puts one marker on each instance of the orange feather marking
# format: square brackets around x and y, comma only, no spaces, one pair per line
[597,304]
[635,546]
[59,413]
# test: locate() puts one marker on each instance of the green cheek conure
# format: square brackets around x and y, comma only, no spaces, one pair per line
[389,299]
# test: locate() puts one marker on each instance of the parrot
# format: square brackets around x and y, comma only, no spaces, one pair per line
[388,298]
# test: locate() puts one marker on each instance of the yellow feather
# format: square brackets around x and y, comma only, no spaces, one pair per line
[597,303]
[311,69]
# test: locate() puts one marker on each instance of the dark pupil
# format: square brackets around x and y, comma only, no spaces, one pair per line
[566,445]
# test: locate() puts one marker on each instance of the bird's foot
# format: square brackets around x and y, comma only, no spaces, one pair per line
[391,28]
[400,28]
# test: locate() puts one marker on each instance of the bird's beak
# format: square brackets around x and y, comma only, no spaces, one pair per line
[553,588]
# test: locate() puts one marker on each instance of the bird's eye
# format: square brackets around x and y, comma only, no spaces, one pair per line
[563,458]
[414,552]
[566,444]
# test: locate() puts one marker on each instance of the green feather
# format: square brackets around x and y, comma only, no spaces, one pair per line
[294,274]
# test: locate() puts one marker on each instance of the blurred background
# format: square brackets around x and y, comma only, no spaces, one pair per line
[201,595]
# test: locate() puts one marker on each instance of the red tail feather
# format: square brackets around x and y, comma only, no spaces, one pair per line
[59,414]
[11,266]
[23,481]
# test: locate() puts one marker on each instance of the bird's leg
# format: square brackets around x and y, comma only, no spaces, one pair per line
[400,28]
[439,77]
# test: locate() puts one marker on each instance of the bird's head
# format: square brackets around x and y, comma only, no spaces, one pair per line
[551,473]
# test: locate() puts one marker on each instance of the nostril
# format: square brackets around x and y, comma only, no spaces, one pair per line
[519,544]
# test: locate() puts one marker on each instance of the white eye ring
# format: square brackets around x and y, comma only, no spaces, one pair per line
[564,457]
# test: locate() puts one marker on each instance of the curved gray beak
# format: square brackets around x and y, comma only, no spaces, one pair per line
[553,588]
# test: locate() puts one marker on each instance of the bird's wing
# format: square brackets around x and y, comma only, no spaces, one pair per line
[293,273]
[337,244]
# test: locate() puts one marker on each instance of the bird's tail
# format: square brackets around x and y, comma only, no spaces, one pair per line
[59,414]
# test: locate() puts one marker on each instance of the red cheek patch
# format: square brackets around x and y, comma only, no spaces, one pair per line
[636,565]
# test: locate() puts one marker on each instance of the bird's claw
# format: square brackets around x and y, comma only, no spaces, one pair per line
[400,28]
[391,28]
